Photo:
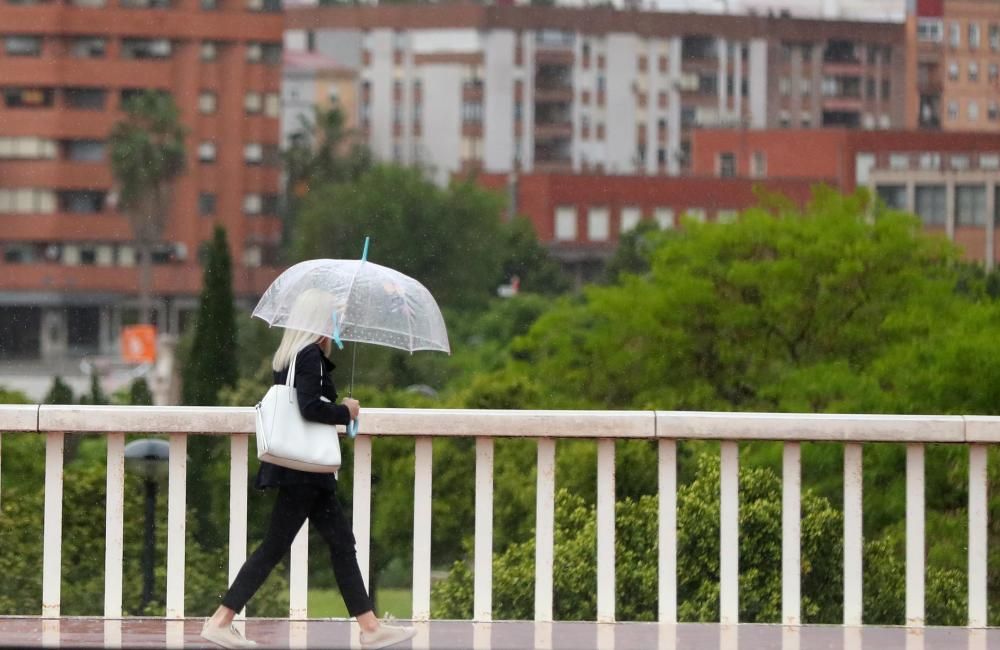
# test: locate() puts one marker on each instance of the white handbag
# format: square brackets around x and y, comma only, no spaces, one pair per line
[285,438]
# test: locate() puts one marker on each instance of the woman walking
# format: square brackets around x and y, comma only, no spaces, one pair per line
[303,495]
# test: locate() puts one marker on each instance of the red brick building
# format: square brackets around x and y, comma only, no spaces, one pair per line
[580,217]
[67,262]
[950,180]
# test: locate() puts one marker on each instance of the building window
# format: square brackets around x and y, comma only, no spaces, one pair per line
[899,161]
[993,112]
[995,38]
[88,47]
[23,45]
[598,226]
[28,97]
[253,153]
[207,102]
[269,204]
[85,150]
[630,218]
[252,102]
[973,111]
[81,201]
[930,204]
[970,205]
[206,204]
[954,34]
[565,226]
[758,164]
[989,161]
[959,162]
[727,165]
[271,53]
[727,216]
[893,196]
[145,48]
[953,71]
[209,51]
[252,204]
[929,30]
[973,71]
[952,110]
[27,148]
[929,160]
[695,214]
[994,72]
[272,105]
[664,218]
[27,201]
[91,99]
[255,52]
[973,36]
[206,152]
[784,86]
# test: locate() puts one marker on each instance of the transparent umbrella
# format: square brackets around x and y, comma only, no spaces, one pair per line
[355,300]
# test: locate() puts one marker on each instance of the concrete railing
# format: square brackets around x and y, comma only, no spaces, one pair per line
[547,427]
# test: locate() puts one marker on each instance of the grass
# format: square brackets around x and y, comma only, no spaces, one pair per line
[327,603]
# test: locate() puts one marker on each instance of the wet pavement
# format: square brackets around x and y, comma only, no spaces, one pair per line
[28,632]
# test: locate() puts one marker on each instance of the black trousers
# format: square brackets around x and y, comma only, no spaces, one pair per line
[295,503]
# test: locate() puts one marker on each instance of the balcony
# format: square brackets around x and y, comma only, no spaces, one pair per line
[548,428]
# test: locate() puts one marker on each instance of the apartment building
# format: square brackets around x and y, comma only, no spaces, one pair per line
[314,82]
[461,87]
[68,276]
[954,65]
[951,180]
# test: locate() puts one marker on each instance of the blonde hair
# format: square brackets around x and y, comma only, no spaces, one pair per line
[310,320]
[292,342]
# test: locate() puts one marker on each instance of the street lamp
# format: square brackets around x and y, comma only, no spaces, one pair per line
[148,458]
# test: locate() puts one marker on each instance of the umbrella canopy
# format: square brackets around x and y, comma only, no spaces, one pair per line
[355,300]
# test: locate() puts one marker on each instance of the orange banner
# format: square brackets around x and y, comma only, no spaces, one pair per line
[139,343]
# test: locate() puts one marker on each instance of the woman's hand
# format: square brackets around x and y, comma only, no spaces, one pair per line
[354,406]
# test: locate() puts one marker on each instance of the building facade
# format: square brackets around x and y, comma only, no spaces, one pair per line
[954,65]
[949,180]
[312,82]
[68,276]
[461,87]
[581,217]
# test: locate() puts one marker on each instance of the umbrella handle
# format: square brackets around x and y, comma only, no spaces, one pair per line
[352,427]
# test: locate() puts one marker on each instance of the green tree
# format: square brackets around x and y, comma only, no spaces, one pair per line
[210,366]
[635,250]
[728,313]
[147,155]
[445,238]
[526,258]
[212,363]
[322,151]
[59,393]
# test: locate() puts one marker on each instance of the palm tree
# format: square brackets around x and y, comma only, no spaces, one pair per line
[147,155]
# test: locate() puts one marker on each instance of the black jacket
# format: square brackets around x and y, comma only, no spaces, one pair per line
[312,381]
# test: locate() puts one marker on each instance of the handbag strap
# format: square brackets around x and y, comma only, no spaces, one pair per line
[290,379]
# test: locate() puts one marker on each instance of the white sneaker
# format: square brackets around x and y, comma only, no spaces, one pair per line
[385,636]
[227,637]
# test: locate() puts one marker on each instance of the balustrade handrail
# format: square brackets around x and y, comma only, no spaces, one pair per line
[738,426]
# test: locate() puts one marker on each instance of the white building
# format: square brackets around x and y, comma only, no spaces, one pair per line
[461,87]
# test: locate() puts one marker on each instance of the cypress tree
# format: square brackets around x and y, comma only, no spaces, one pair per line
[59,393]
[212,363]
[210,366]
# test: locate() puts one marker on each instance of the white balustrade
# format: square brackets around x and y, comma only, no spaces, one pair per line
[546,427]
